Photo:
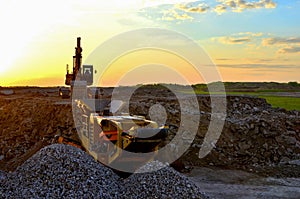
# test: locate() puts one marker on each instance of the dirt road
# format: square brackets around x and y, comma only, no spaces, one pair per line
[235,184]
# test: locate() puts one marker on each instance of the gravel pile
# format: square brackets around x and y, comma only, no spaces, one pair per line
[61,171]
[163,183]
[2,176]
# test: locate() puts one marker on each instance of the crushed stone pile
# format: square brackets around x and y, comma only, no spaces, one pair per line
[164,183]
[2,176]
[62,171]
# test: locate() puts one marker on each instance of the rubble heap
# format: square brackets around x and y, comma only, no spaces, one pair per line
[254,134]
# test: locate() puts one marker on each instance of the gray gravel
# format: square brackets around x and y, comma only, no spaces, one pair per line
[61,171]
[2,176]
[163,183]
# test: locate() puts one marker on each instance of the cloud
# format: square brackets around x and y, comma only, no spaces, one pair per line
[280,41]
[172,14]
[220,9]
[256,63]
[238,38]
[288,45]
[290,49]
[182,11]
[224,59]
[252,60]
[258,66]
[232,40]
[200,8]
[241,5]
[253,34]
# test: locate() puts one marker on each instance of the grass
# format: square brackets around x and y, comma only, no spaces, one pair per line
[288,103]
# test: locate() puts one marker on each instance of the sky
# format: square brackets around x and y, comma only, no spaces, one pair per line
[247,40]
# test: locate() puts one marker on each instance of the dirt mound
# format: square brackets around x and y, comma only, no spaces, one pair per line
[255,135]
[28,122]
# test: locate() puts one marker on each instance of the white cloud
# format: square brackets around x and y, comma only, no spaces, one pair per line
[172,14]
[220,9]
[253,34]
[200,8]
[241,5]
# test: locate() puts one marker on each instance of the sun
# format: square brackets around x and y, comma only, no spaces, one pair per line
[2,69]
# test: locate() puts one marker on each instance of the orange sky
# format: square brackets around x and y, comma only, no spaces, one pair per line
[150,66]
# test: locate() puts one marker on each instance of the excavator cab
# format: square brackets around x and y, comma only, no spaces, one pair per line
[87,74]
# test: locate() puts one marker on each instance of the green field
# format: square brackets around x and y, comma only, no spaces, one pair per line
[271,91]
[288,103]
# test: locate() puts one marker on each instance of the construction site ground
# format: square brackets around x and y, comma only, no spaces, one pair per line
[31,117]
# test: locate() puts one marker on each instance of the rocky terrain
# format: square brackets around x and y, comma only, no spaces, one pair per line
[29,120]
[256,137]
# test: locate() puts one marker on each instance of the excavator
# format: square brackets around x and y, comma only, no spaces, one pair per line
[109,137]
[84,74]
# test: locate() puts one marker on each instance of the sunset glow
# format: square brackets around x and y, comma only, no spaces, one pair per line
[256,40]
[155,65]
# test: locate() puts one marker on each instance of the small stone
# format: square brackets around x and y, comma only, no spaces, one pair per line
[294,162]
[7,92]
[284,160]
[265,112]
